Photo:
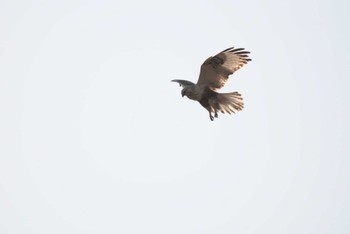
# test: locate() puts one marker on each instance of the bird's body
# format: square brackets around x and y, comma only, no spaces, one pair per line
[213,76]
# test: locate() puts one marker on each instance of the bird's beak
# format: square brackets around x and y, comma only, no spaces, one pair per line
[182,94]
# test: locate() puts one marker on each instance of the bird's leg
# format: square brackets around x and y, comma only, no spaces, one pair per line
[214,106]
[211,116]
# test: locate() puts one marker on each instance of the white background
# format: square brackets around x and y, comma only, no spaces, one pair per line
[94,138]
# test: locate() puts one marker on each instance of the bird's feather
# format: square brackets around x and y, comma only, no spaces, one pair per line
[183,83]
[230,102]
[216,70]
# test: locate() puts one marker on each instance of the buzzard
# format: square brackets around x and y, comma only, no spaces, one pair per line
[213,76]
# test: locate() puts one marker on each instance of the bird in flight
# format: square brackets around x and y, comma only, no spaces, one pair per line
[213,75]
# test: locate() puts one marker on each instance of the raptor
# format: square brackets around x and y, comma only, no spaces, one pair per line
[214,74]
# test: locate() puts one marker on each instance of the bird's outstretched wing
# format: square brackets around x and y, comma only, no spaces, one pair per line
[216,70]
[183,83]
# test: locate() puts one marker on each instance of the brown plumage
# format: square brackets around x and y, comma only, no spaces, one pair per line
[214,74]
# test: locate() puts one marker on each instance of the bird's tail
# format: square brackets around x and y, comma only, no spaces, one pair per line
[229,102]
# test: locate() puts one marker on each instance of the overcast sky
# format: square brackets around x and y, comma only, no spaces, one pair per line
[94,138]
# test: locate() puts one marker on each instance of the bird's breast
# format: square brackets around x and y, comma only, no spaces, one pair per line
[193,96]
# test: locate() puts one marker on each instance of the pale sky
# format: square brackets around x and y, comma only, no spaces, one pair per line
[94,138]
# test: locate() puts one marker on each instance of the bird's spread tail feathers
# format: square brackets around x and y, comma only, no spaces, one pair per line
[229,102]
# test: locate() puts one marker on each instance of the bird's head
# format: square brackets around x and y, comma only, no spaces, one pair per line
[183,92]
[186,91]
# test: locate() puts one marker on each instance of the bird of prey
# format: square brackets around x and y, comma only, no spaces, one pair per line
[213,75]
